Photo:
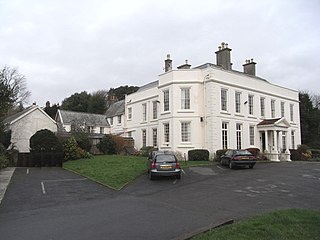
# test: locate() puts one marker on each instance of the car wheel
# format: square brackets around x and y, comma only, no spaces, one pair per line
[230,165]
[251,166]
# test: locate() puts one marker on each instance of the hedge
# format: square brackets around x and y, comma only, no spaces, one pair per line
[198,155]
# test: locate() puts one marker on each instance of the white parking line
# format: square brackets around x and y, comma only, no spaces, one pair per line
[175,181]
[183,172]
[59,180]
[43,188]
[220,167]
[27,171]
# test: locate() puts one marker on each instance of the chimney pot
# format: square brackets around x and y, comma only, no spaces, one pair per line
[249,67]
[223,56]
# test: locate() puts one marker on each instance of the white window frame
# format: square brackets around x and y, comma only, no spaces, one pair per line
[166,100]
[224,99]
[144,112]
[166,133]
[251,104]
[154,110]
[251,135]
[273,108]
[291,112]
[144,137]
[186,132]
[119,119]
[155,137]
[185,98]
[237,97]
[262,107]
[224,135]
[129,113]
[239,135]
[282,107]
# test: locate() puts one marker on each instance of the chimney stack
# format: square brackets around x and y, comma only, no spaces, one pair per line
[223,56]
[167,64]
[185,66]
[250,67]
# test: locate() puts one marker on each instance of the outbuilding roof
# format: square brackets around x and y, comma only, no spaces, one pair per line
[89,119]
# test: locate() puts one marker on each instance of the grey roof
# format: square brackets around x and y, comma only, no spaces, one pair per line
[16,116]
[207,65]
[116,109]
[149,85]
[90,119]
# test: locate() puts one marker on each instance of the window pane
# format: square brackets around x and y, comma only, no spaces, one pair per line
[224,135]
[185,98]
[166,100]
[237,99]
[224,100]
[166,132]
[185,132]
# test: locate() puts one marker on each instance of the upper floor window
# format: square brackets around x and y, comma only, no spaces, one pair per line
[262,107]
[238,102]
[111,121]
[185,132]
[119,119]
[101,130]
[185,98]
[273,108]
[250,100]
[166,100]
[282,109]
[129,113]
[224,99]
[291,112]
[154,110]
[144,112]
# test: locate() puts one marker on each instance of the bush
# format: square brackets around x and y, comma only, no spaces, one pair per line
[83,140]
[219,153]
[303,153]
[107,145]
[4,162]
[119,141]
[198,155]
[145,151]
[46,141]
[72,151]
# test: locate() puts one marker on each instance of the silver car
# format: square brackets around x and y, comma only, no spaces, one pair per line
[163,163]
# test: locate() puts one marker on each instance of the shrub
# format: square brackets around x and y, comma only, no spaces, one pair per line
[3,158]
[219,153]
[120,143]
[45,140]
[303,153]
[145,151]
[71,149]
[107,145]
[198,155]
[294,155]
[83,140]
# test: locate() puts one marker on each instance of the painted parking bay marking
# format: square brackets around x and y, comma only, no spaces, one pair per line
[43,188]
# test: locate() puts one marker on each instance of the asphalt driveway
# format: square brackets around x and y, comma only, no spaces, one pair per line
[51,203]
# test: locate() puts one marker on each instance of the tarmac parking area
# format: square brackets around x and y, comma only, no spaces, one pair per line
[52,203]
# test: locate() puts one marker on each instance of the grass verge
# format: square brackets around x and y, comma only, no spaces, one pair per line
[295,224]
[116,171]
[113,171]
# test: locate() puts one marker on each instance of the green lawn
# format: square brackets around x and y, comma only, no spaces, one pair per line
[115,171]
[295,224]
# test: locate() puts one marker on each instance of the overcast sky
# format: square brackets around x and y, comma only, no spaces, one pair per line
[68,46]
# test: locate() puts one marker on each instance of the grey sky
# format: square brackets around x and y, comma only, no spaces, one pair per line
[69,46]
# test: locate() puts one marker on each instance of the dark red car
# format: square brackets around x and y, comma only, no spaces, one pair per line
[237,158]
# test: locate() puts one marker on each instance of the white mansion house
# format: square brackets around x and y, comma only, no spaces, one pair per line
[213,107]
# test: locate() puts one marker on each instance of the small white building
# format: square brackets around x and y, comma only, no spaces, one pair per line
[25,124]
[213,107]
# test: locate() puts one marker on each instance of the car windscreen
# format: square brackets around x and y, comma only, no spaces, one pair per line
[165,158]
[243,152]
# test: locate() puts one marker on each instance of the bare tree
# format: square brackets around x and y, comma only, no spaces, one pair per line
[13,89]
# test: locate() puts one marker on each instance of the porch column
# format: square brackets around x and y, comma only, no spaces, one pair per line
[275,152]
[287,152]
[266,140]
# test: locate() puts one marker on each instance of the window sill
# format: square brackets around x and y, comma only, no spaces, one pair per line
[225,113]
[165,113]
[185,145]
[238,115]
[185,111]
[252,117]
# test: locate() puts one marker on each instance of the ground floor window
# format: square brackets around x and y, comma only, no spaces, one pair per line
[224,135]
[185,132]
[251,132]
[166,132]
[144,138]
[292,140]
[155,137]
[239,135]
